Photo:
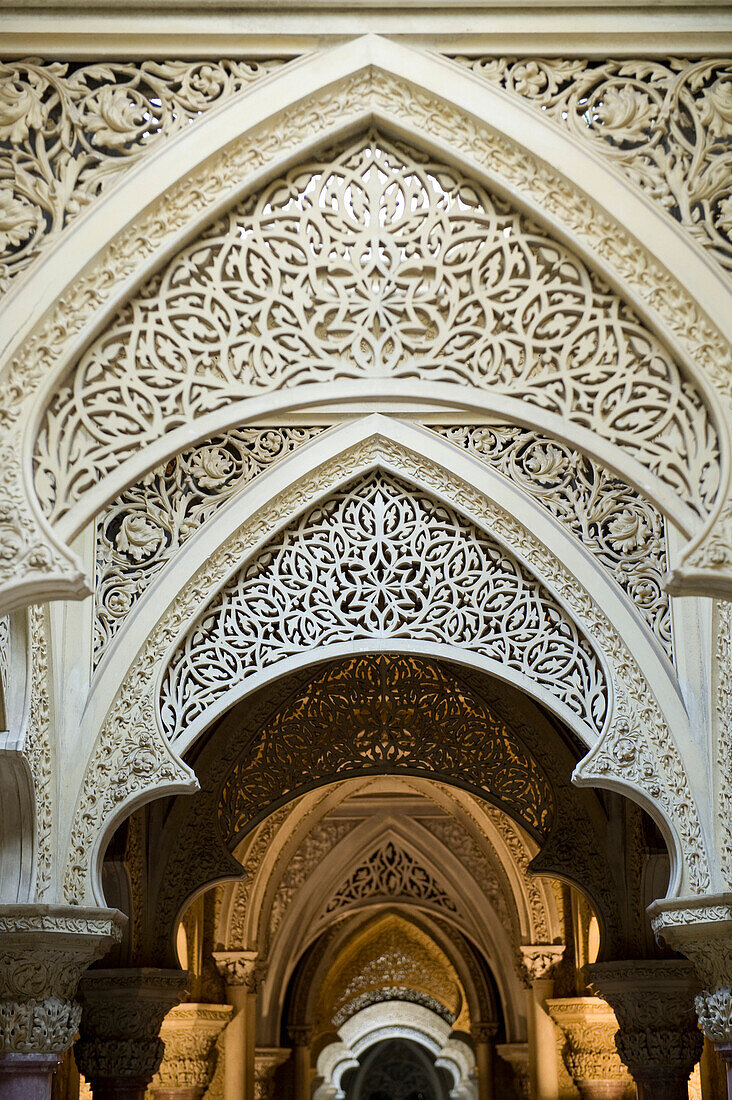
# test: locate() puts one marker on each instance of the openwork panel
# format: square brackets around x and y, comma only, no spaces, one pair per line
[389,871]
[144,527]
[380,560]
[384,714]
[620,528]
[666,123]
[374,261]
[67,131]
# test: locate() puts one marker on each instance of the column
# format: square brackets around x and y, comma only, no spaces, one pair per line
[517,1056]
[241,974]
[189,1033]
[590,1055]
[484,1036]
[538,961]
[701,928]
[120,1048]
[266,1062]
[657,1038]
[44,950]
[301,1037]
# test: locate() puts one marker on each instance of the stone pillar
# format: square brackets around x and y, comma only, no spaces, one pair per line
[657,1038]
[266,1061]
[701,928]
[537,963]
[484,1037]
[301,1038]
[590,1054]
[242,975]
[44,950]
[517,1056]
[122,1010]
[189,1033]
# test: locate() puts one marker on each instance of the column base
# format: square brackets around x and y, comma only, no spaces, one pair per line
[27,1076]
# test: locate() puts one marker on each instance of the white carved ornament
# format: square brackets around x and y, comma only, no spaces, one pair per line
[144,527]
[67,131]
[664,122]
[380,560]
[620,528]
[373,262]
[5,658]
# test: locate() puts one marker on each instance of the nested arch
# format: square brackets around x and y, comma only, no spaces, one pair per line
[647,753]
[360,97]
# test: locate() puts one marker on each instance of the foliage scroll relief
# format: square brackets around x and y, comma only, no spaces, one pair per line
[67,131]
[144,527]
[663,122]
[141,531]
[374,261]
[379,559]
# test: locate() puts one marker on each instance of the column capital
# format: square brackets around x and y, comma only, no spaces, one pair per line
[484,1031]
[122,1012]
[537,960]
[44,950]
[189,1032]
[653,1000]
[240,968]
[701,929]
[266,1061]
[300,1035]
[590,1055]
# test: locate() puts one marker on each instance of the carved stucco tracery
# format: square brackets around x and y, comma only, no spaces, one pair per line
[638,748]
[622,530]
[663,122]
[379,559]
[374,262]
[389,871]
[38,748]
[69,130]
[370,714]
[514,166]
[140,532]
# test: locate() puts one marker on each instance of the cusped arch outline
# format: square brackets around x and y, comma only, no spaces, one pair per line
[417,96]
[636,754]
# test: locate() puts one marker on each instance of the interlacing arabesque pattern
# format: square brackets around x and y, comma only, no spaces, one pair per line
[67,131]
[622,529]
[372,713]
[666,123]
[389,871]
[147,523]
[378,559]
[373,261]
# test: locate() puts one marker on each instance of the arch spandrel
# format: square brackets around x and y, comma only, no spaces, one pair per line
[688,331]
[643,763]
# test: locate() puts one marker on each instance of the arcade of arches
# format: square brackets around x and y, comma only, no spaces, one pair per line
[365,552]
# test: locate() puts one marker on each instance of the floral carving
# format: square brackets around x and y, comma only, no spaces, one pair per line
[373,262]
[144,527]
[663,122]
[38,749]
[378,559]
[389,872]
[69,130]
[621,529]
